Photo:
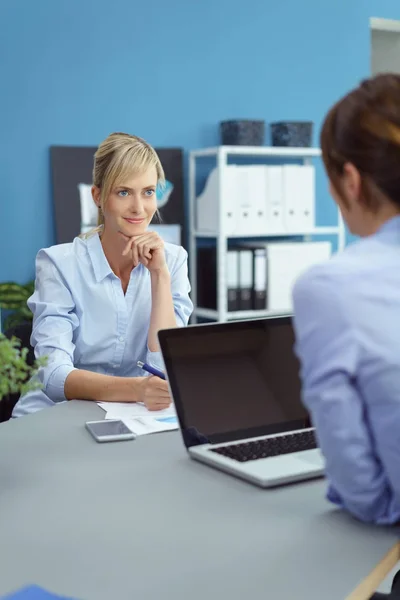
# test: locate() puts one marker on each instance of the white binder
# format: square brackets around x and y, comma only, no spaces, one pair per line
[299,198]
[251,210]
[246,279]
[232,280]
[207,203]
[260,278]
[274,199]
[286,262]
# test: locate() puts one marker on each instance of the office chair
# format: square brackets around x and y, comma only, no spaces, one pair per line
[23,332]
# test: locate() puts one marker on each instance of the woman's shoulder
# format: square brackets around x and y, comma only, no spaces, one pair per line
[343,281]
[343,267]
[60,254]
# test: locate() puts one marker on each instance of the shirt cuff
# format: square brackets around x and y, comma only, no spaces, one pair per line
[55,384]
[333,496]
[155,359]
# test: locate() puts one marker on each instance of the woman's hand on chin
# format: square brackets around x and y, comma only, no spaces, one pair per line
[148,249]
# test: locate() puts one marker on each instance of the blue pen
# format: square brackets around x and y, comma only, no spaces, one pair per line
[150,369]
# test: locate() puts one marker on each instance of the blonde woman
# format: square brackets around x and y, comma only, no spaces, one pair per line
[100,300]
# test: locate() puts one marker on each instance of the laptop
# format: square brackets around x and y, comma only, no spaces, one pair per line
[237,394]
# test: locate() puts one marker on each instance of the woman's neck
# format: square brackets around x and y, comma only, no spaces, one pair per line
[113,246]
[375,221]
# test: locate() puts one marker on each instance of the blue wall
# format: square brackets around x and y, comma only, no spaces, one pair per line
[169,70]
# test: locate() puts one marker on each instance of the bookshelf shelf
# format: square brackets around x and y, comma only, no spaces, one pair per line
[315,231]
[267,151]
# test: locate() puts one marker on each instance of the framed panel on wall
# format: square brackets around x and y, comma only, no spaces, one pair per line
[75,211]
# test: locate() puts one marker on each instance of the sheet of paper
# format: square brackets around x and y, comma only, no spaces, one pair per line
[147,425]
[133,409]
[89,210]
[140,420]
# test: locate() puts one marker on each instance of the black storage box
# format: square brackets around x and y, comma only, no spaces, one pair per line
[242,133]
[292,133]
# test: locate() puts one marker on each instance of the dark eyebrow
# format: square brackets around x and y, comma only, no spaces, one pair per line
[124,187]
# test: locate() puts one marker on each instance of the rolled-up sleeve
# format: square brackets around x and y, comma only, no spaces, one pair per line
[54,321]
[183,306]
[328,349]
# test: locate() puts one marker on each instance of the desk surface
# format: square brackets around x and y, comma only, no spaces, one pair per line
[139,519]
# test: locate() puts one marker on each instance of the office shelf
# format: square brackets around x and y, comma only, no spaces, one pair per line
[221,155]
[267,151]
[286,234]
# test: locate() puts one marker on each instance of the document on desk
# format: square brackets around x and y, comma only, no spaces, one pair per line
[140,420]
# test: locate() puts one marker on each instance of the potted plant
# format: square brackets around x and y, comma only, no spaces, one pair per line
[16,375]
[13,298]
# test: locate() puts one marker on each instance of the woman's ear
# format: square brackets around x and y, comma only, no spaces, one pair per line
[351,182]
[96,195]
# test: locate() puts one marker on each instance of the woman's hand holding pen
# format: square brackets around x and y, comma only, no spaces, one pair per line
[154,393]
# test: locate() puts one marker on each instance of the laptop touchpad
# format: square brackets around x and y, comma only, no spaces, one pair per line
[313,457]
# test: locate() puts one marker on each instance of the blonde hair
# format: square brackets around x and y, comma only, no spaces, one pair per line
[118,157]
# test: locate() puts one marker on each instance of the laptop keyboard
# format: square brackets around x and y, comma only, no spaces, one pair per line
[266,448]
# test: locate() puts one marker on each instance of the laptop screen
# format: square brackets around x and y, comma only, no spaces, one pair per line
[234,380]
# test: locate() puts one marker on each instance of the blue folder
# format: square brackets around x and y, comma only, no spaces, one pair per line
[34,592]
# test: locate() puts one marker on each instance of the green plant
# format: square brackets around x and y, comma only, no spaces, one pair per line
[15,373]
[13,297]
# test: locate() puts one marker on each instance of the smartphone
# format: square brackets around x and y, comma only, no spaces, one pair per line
[112,430]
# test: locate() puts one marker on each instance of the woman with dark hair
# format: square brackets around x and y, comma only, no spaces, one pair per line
[347,311]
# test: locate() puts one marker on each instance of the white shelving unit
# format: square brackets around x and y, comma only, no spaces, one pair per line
[221,153]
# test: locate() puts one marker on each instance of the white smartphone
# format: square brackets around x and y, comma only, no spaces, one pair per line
[112,430]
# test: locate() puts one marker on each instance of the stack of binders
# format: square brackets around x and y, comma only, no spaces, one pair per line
[253,270]
[245,278]
[259,200]
[258,275]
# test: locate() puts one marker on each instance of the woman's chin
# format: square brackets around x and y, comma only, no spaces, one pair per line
[124,235]
[128,231]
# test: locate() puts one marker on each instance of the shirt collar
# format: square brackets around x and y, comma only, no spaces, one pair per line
[100,264]
[392,224]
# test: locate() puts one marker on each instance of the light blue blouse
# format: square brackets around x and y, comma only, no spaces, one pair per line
[347,321]
[83,320]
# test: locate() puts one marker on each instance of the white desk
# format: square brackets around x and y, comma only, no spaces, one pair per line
[139,519]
